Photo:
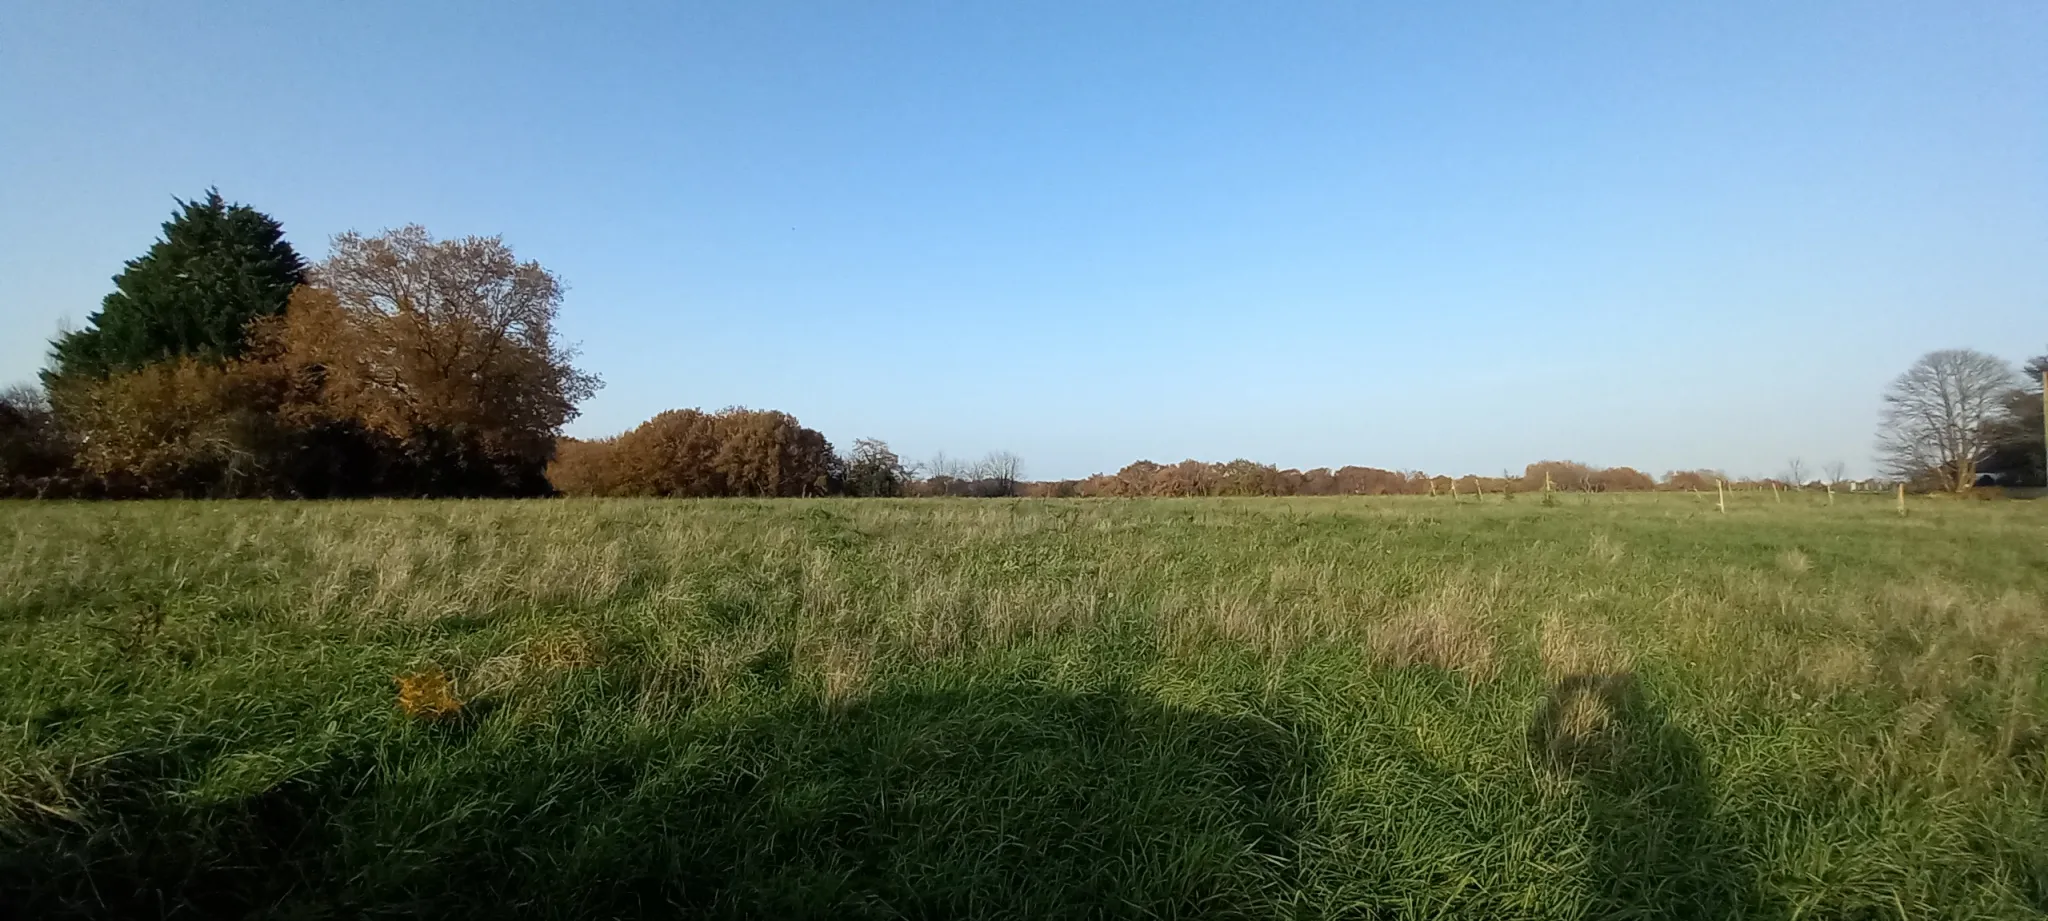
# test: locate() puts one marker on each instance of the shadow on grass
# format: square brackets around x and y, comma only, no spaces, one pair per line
[1004,800]
[1658,849]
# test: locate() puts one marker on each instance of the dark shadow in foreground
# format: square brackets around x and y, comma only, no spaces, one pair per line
[1005,800]
[1658,849]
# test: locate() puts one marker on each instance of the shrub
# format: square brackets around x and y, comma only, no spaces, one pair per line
[32,450]
[180,428]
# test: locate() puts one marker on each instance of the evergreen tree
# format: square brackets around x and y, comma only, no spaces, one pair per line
[2019,457]
[217,267]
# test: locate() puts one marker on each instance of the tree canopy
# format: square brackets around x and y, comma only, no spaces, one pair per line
[223,366]
[217,267]
[1943,415]
[685,453]
[2020,455]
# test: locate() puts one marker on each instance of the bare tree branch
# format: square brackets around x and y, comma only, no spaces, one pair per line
[1795,473]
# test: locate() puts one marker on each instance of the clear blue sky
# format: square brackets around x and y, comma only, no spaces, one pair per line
[1454,238]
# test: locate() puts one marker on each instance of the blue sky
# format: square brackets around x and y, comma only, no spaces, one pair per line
[1457,238]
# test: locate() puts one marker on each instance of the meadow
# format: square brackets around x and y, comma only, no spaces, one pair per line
[1610,706]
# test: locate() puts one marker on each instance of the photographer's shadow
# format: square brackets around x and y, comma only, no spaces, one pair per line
[996,798]
[1658,850]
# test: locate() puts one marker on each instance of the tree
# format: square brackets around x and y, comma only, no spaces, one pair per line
[998,472]
[2020,457]
[1319,482]
[873,470]
[1835,473]
[1622,479]
[1368,481]
[32,450]
[1691,480]
[1795,473]
[217,267]
[1562,475]
[447,346]
[586,468]
[767,453]
[942,466]
[1102,486]
[1136,478]
[1941,417]
[676,453]
[1243,477]
[685,453]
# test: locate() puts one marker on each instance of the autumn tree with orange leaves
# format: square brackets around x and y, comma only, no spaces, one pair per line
[686,453]
[445,346]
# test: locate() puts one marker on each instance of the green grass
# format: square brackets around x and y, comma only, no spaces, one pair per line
[1614,707]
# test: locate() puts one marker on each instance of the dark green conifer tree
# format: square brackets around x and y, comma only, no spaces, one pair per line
[217,267]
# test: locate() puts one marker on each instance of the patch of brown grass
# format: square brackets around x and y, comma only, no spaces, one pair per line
[1448,639]
[1579,648]
[1942,640]
[1578,726]
[1834,666]
[845,672]
[1604,550]
[496,675]
[533,660]
[562,651]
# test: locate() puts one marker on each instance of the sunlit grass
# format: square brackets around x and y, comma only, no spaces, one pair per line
[1614,706]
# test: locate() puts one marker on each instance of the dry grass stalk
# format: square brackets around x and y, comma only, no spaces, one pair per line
[1834,666]
[496,675]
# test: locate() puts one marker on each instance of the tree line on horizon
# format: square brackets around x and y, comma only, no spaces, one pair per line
[224,365]
[1249,478]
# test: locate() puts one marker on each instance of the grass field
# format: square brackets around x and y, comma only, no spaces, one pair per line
[1614,707]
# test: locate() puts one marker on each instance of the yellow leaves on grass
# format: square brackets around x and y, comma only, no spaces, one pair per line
[428,695]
